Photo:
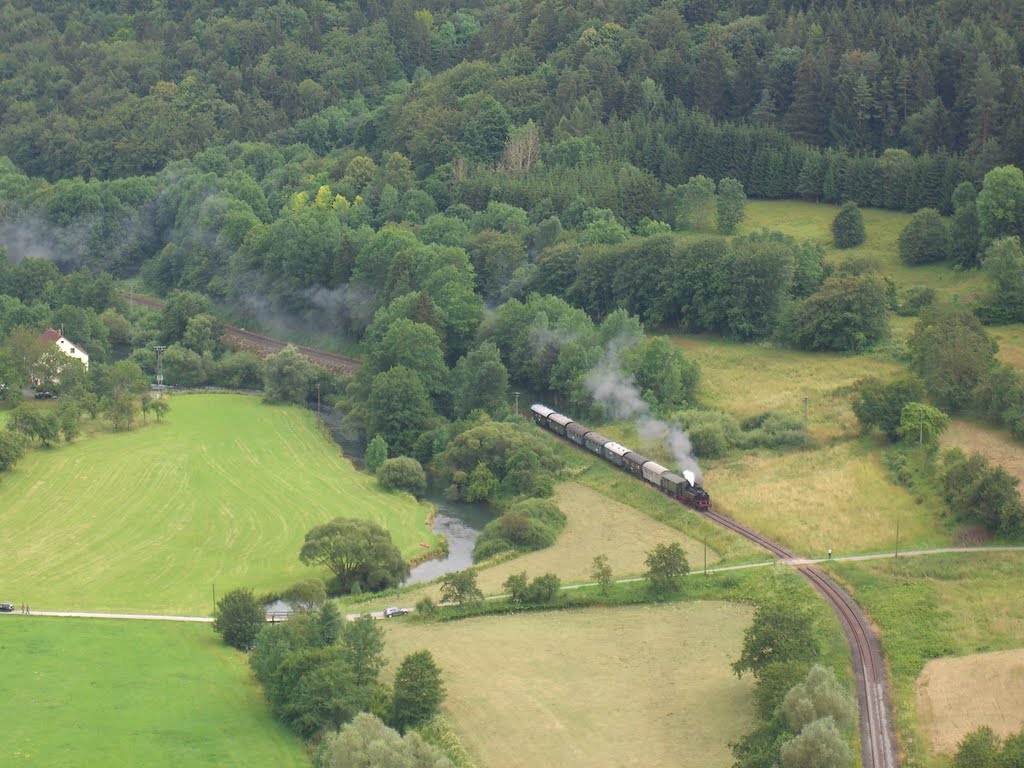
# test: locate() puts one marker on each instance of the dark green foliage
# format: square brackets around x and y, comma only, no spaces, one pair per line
[460,588]
[979,492]
[779,633]
[35,424]
[965,236]
[848,227]
[729,205]
[773,683]
[978,749]
[1004,268]
[925,239]
[402,474]
[480,381]
[358,552]
[12,448]
[419,690]
[847,314]
[666,564]
[543,589]
[239,618]
[362,643]
[314,690]
[398,408]
[952,354]
[879,404]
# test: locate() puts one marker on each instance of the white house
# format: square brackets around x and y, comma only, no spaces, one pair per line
[70,349]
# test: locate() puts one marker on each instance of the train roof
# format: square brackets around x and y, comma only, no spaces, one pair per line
[578,429]
[672,477]
[559,419]
[596,437]
[541,410]
[618,450]
[636,458]
[653,466]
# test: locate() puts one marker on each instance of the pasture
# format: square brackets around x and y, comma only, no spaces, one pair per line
[646,685]
[85,692]
[997,445]
[813,221]
[955,696]
[934,607]
[217,496]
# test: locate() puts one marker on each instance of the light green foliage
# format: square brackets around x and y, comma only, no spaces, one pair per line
[666,563]
[402,474]
[415,346]
[286,376]
[543,589]
[307,595]
[925,239]
[419,690]
[460,588]
[480,380]
[818,745]
[695,203]
[1001,203]
[952,354]
[481,484]
[376,453]
[367,743]
[819,695]
[923,422]
[848,227]
[730,205]
[181,307]
[202,333]
[239,618]
[601,572]
[356,551]
[399,408]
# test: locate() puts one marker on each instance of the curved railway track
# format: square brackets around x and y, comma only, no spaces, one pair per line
[878,739]
[240,338]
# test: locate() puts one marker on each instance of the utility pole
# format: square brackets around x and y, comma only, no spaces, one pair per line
[318,398]
[897,537]
[214,588]
[517,402]
[805,421]
[705,557]
[160,369]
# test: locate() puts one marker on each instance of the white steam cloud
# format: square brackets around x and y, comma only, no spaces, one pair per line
[621,397]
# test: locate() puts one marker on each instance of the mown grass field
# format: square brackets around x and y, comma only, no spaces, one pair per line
[813,221]
[645,685]
[937,606]
[955,696]
[997,445]
[79,693]
[218,496]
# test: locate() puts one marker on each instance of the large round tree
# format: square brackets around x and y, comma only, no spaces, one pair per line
[357,552]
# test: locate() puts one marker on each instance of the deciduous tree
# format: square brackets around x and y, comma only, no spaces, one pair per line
[239,618]
[419,690]
[666,564]
[357,552]
[848,226]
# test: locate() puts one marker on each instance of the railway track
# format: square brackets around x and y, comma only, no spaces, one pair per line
[878,738]
[240,338]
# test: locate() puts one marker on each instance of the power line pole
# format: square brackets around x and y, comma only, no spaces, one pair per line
[517,402]
[318,398]
[805,421]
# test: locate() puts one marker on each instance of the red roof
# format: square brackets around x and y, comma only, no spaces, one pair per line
[50,336]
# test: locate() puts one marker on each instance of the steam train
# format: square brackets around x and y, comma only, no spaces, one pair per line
[685,488]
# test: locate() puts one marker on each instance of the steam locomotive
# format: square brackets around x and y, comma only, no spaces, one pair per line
[685,488]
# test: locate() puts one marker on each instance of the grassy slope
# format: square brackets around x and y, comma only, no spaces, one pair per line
[175,696]
[646,685]
[937,606]
[222,492]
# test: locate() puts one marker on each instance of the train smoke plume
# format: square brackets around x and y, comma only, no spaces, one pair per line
[621,397]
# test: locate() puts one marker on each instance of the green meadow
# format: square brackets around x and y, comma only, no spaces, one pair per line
[217,496]
[79,693]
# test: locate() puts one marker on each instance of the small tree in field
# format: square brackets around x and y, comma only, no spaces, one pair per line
[819,745]
[239,618]
[601,571]
[666,563]
[402,474]
[460,588]
[160,408]
[376,453]
[419,690]
[848,227]
[922,422]
[730,205]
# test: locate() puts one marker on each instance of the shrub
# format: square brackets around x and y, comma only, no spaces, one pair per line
[239,618]
[403,474]
[848,226]
[913,300]
[925,239]
[544,510]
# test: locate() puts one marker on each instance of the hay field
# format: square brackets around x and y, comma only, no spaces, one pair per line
[1011,343]
[596,525]
[748,379]
[639,686]
[219,495]
[79,693]
[813,221]
[955,696]
[997,445]
[838,496]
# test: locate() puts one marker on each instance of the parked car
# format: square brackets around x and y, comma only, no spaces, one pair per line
[44,395]
[7,607]
[389,612]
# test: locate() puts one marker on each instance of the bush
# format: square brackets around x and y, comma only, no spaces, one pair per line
[239,618]
[543,510]
[403,474]
[848,227]
[913,300]
[925,239]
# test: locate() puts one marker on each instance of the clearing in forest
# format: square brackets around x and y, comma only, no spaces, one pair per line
[217,496]
[955,696]
[85,692]
[646,685]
